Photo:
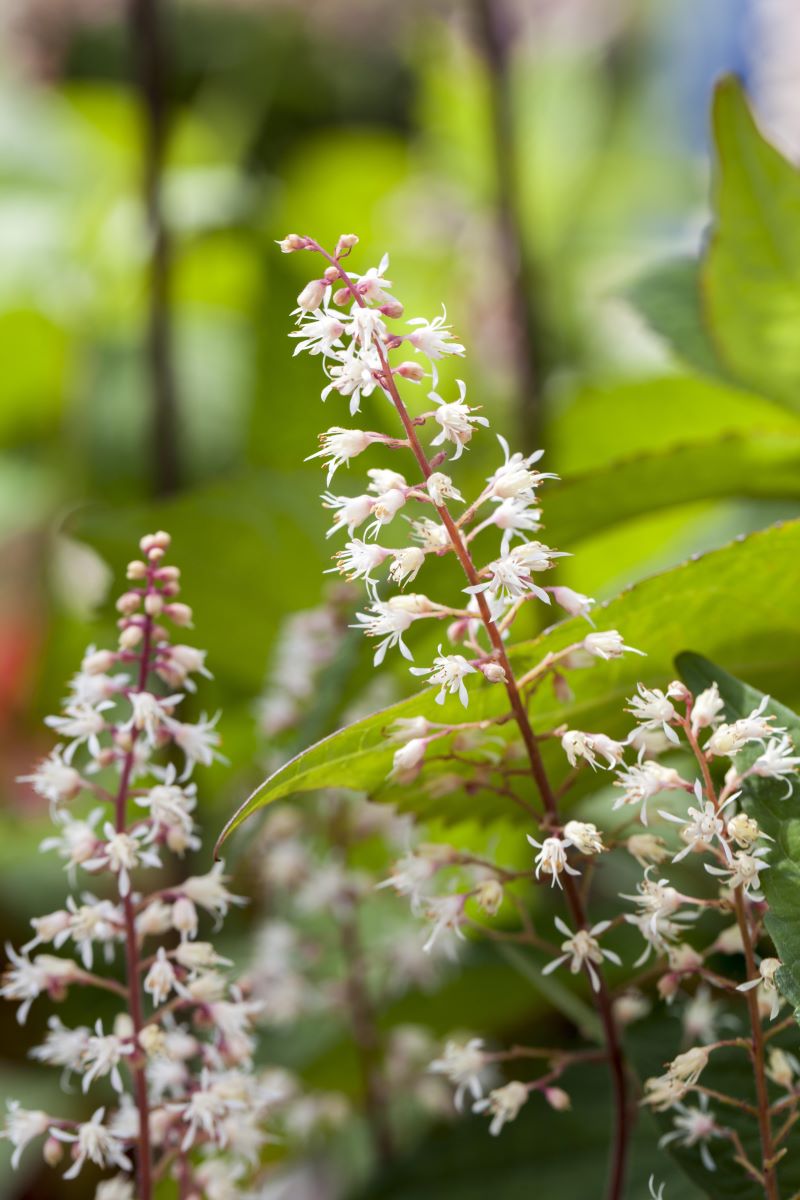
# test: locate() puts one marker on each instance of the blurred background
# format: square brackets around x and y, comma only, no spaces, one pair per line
[523,161]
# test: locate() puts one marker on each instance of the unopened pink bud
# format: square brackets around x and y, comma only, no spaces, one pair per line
[331,274]
[153,604]
[558,1099]
[392,308]
[53,1152]
[128,603]
[345,244]
[563,692]
[292,242]
[312,295]
[155,541]
[99,662]
[136,569]
[179,613]
[342,296]
[411,370]
[493,672]
[130,637]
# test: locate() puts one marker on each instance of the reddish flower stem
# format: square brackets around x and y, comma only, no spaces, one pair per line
[144,1155]
[769,1180]
[623,1122]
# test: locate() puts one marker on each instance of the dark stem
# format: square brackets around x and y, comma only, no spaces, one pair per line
[144,1156]
[495,33]
[147,40]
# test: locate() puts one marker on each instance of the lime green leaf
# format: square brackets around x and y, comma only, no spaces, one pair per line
[750,279]
[743,596]
[760,465]
[777,814]
[667,296]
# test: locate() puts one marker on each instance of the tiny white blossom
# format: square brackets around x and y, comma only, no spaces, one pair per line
[707,709]
[729,739]
[94,1141]
[26,978]
[434,340]
[102,1056]
[767,971]
[551,859]
[353,374]
[53,778]
[503,1103]
[197,741]
[22,1126]
[455,419]
[447,915]
[584,836]
[653,710]
[607,644]
[694,1126]
[441,488]
[583,951]
[339,445]
[448,670]
[319,332]
[348,511]
[83,723]
[576,744]
[389,622]
[121,853]
[464,1064]
[744,871]
[777,761]
[644,780]
[515,477]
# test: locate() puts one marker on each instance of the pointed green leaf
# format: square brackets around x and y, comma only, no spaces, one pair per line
[739,601]
[750,278]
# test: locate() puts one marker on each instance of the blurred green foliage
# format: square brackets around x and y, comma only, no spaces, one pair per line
[381,125]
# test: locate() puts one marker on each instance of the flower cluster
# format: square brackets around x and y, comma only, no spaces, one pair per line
[179,1055]
[350,322]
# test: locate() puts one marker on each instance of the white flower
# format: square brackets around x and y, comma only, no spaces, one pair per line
[83,723]
[311,296]
[455,419]
[118,1188]
[503,1103]
[430,534]
[169,804]
[511,576]
[584,836]
[366,325]
[354,373]
[408,759]
[93,921]
[607,644]
[25,980]
[707,709]
[95,1142]
[359,559]
[702,825]
[54,779]
[730,739]
[150,713]
[319,331]
[349,511]
[406,564]
[653,710]
[776,761]
[647,848]
[694,1127]
[515,477]
[744,871]
[766,978]
[447,914]
[576,744]
[205,1111]
[373,285]
[209,891]
[22,1126]
[62,1047]
[77,840]
[160,979]
[583,951]
[464,1064]
[197,741]
[645,780]
[102,1056]
[433,339]
[551,859]
[339,445]
[441,488]
[387,620]
[410,876]
[448,670]
[121,853]
[574,603]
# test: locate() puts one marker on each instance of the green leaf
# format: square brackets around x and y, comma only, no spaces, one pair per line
[738,601]
[777,814]
[750,278]
[668,297]
[759,465]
